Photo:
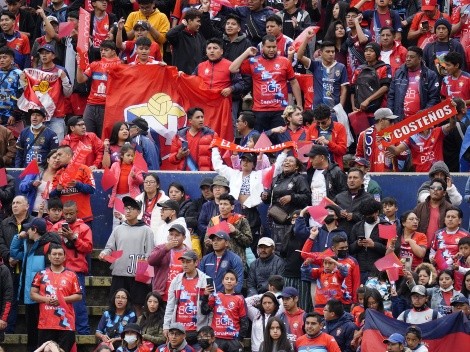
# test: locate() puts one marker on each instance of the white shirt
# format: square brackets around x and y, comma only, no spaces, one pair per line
[318,187]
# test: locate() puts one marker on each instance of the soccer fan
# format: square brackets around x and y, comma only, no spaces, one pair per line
[58,9]
[457,82]
[274,27]
[130,48]
[294,18]
[314,336]
[270,74]
[246,127]
[371,186]
[339,324]
[293,316]
[139,131]
[24,21]
[356,40]
[293,130]
[440,170]
[11,86]
[101,22]
[382,17]
[15,39]
[143,48]
[420,312]
[176,340]
[206,339]
[392,52]
[47,38]
[97,72]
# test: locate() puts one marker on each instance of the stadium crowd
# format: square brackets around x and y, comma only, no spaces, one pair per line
[203,274]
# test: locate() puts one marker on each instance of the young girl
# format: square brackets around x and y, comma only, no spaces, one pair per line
[151,321]
[128,179]
[275,337]
[466,285]
[413,339]
[440,296]
[359,307]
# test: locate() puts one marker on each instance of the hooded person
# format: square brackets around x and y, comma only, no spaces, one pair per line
[440,170]
[132,339]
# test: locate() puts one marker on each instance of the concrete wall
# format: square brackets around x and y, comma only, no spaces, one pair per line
[403,187]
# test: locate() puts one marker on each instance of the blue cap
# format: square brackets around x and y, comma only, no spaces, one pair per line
[38,223]
[395,338]
[289,292]
[47,47]
[220,234]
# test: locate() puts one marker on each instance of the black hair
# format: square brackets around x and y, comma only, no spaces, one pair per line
[192,14]
[112,304]
[335,306]
[191,111]
[338,239]
[375,294]
[70,203]
[464,240]
[307,116]
[108,44]
[361,290]
[465,291]
[415,330]
[277,281]
[227,196]
[445,271]
[330,35]
[387,28]
[326,43]
[53,246]
[9,14]
[343,10]
[248,117]
[416,50]
[459,104]
[73,14]
[389,201]
[143,41]
[179,187]
[232,16]
[65,148]
[45,163]
[282,344]
[404,216]
[125,148]
[313,315]
[54,203]
[231,271]
[455,58]
[216,41]
[457,209]
[355,169]
[206,330]
[145,2]
[191,223]
[113,138]
[321,112]
[273,298]
[155,318]
[4,50]
[441,181]
[155,177]
[370,206]
[274,18]
[268,38]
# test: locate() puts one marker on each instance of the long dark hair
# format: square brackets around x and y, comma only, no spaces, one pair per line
[283,344]
[112,303]
[114,137]
[375,294]
[464,289]
[45,163]
[273,298]
[156,318]
[179,187]
[330,35]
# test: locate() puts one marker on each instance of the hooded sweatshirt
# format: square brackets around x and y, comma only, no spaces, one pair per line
[452,193]
[136,242]
[90,140]
[342,329]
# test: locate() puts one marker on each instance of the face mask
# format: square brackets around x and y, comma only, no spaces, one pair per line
[448,289]
[342,253]
[204,343]
[38,126]
[130,339]
[369,219]
[329,219]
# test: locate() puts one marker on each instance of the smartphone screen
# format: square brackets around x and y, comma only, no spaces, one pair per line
[210,281]
[425,24]
[66,226]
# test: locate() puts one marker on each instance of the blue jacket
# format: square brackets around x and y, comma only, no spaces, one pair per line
[324,238]
[428,90]
[208,211]
[26,151]
[342,329]
[28,190]
[150,151]
[34,259]
[229,260]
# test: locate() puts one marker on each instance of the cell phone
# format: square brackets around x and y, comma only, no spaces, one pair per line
[361,238]
[407,264]
[66,226]
[425,25]
[402,16]
[210,281]
[184,145]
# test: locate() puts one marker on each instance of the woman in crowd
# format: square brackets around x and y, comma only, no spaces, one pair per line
[337,35]
[427,275]
[410,245]
[177,193]
[132,340]
[289,191]
[339,11]
[259,312]
[373,300]
[441,295]
[151,321]
[119,313]
[36,187]
[466,285]
[275,337]
[112,146]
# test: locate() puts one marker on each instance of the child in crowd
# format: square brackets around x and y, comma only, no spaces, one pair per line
[129,47]
[143,49]
[389,211]
[229,321]
[358,308]
[329,277]
[414,339]
[460,264]
[128,179]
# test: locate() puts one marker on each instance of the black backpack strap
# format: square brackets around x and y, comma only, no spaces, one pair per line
[405,315]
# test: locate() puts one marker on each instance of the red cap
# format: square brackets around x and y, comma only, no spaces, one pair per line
[428,5]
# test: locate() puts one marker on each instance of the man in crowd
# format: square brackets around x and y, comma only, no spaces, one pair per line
[339,324]
[206,195]
[77,241]
[274,27]
[356,40]
[420,312]
[267,264]
[371,186]
[35,141]
[101,21]
[78,137]
[293,130]
[381,17]
[24,22]
[392,52]
[169,215]
[15,40]
[10,86]
[138,130]
[314,336]
[293,316]
[457,82]
[176,340]
[440,170]
[246,127]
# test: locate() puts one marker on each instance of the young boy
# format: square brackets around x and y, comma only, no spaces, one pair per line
[143,47]
[129,47]
[230,322]
[329,277]
[460,263]
[359,307]
[389,211]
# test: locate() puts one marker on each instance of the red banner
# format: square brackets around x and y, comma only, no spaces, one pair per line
[306,86]
[223,144]
[83,42]
[417,123]
[161,97]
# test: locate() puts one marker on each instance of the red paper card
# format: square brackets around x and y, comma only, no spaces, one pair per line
[326,201]
[387,232]
[31,169]
[65,29]
[119,205]
[140,163]
[387,262]
[3,177]
[268,177]
[113,256]
[108,180]
[222,226]
[263,141]
[317,213]
[393,274]
[304,149]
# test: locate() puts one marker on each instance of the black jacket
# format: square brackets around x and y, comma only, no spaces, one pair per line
[7,193]
[260,271]
[6,288]
[8,230]
[335,180]
[188,48]
[352,205]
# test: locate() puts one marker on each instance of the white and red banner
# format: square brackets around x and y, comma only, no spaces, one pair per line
[83,42]
[224,144]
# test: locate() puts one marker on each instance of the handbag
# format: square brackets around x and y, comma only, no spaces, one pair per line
[278,214]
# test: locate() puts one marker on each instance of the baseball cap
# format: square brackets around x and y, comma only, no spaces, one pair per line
[459,299]
[419,289]
[179,228]
[266,241]
[177,326]
[428,5]
[360,161]
[131,202]
[205,182]
[384,113]
[317,150]
[140,123]
[288,292]
[141,24]
[395,338]
[41,111]
[47,47]
[220,234]
[53,19]
[73,121]
[249,156]
[190,255]
[170,204]
[38,223]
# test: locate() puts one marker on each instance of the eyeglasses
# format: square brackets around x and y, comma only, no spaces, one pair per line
[436,188]
[149,182]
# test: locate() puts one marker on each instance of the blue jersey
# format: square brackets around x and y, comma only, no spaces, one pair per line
[10,91]
[327,82]
[28,147]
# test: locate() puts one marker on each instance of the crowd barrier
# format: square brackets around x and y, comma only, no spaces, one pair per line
[403,187]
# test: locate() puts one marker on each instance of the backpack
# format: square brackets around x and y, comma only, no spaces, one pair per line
[407,312]
[367,83]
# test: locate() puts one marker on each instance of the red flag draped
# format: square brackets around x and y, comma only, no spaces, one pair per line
[161,97]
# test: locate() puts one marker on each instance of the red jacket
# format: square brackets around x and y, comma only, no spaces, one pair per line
[215,75]
[397,57]
[83,245]
[134,182]
[202,155]
[90,140]
[338,142]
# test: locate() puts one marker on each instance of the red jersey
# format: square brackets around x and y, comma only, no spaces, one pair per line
[464,32]
[97,71]
[186,310]
[270,77]
[425,151]
[446,244]
[456,87]
[412,102]
[100,30]
[57,285]
[130,53]
[372,149]
[294,323]
[320,343]
[175,268]
[406,252]
[419,18]
[215,74]
[228,310]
